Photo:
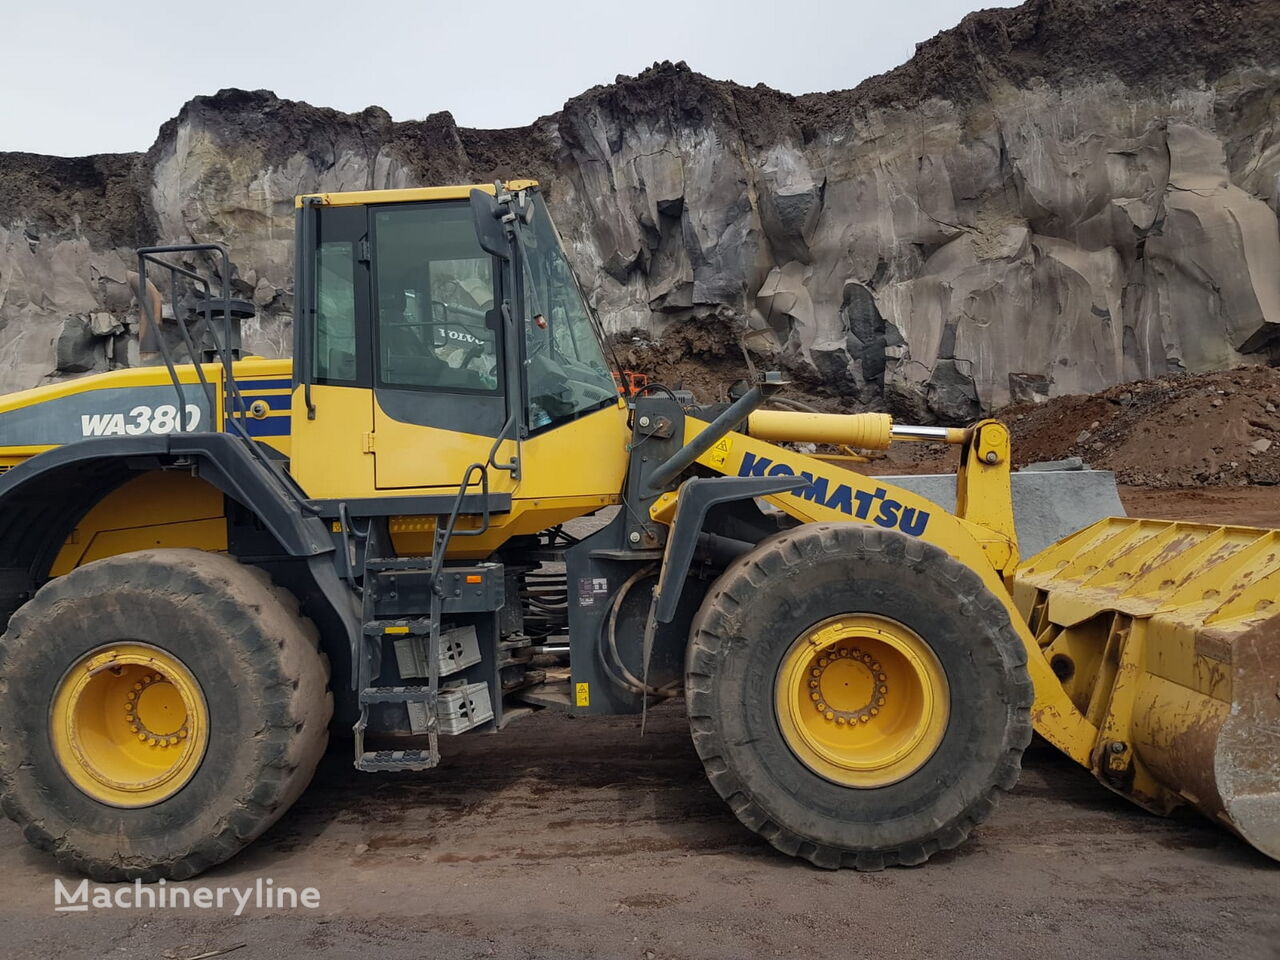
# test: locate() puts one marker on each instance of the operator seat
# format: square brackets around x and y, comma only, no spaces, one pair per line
[409,357]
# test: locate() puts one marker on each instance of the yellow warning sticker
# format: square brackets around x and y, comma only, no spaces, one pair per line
[719,454]
[582,694]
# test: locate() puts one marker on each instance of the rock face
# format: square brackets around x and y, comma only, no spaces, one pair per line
[1045,200]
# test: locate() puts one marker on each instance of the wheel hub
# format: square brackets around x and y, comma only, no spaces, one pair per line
[152,708]
[129,724]
[862,700]
[847,686]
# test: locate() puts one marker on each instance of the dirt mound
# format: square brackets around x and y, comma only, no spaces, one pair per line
[1217,429]
[98,198]
[703,358]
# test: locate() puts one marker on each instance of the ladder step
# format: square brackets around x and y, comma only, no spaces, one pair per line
[396,695]
[396,760]
[420,564]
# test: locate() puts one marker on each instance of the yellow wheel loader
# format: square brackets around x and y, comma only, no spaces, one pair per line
[206,565]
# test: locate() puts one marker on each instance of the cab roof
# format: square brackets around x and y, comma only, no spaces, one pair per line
[408,195]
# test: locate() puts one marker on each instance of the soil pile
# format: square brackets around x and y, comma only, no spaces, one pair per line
[707,358]
[1215,429]
[704,359]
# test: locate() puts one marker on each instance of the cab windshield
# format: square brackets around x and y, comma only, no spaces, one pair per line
[567,373]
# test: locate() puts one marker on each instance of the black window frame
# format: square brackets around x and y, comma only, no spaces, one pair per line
[543,213]
[343,224]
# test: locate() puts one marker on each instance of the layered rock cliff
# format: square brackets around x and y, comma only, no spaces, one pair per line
[1048,199]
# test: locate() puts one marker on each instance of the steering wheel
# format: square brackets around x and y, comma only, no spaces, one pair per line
[472,353]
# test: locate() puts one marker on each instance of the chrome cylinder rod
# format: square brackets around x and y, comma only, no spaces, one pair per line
[903,431]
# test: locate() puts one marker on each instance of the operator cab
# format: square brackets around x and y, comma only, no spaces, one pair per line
[402,308]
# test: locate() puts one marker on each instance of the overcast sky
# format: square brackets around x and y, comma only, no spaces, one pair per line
[92,77]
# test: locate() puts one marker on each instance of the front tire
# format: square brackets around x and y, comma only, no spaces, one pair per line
[158,711]
[857,696]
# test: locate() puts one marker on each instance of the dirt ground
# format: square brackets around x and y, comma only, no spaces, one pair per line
[572,838]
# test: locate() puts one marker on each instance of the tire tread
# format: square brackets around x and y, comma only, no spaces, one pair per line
[294,697]
[707,647]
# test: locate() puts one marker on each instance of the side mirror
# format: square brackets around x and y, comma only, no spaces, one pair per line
[488,223]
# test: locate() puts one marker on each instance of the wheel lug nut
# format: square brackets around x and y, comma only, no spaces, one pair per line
[830,715]
[864,718]
[142,737]
[880,701]
[881,677]
[884,689]
[874,711]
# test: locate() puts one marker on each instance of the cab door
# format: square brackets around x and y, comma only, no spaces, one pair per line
[438,397]
[331,435]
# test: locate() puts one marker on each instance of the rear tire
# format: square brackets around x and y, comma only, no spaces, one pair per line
[255,666]
[746,633]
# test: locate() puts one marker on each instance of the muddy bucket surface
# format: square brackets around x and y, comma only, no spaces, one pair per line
[1166,636]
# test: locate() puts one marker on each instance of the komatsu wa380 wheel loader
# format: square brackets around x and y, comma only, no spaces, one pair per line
[206,565]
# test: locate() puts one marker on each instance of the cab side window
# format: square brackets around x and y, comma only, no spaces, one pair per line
[335,311]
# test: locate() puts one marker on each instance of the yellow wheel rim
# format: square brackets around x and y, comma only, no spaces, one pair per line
[862,700]
[129,724]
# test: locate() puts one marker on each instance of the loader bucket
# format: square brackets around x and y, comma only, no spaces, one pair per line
[1166,636]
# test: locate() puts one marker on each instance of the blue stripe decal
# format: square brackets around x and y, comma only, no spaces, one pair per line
[270,427]
[264,384]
